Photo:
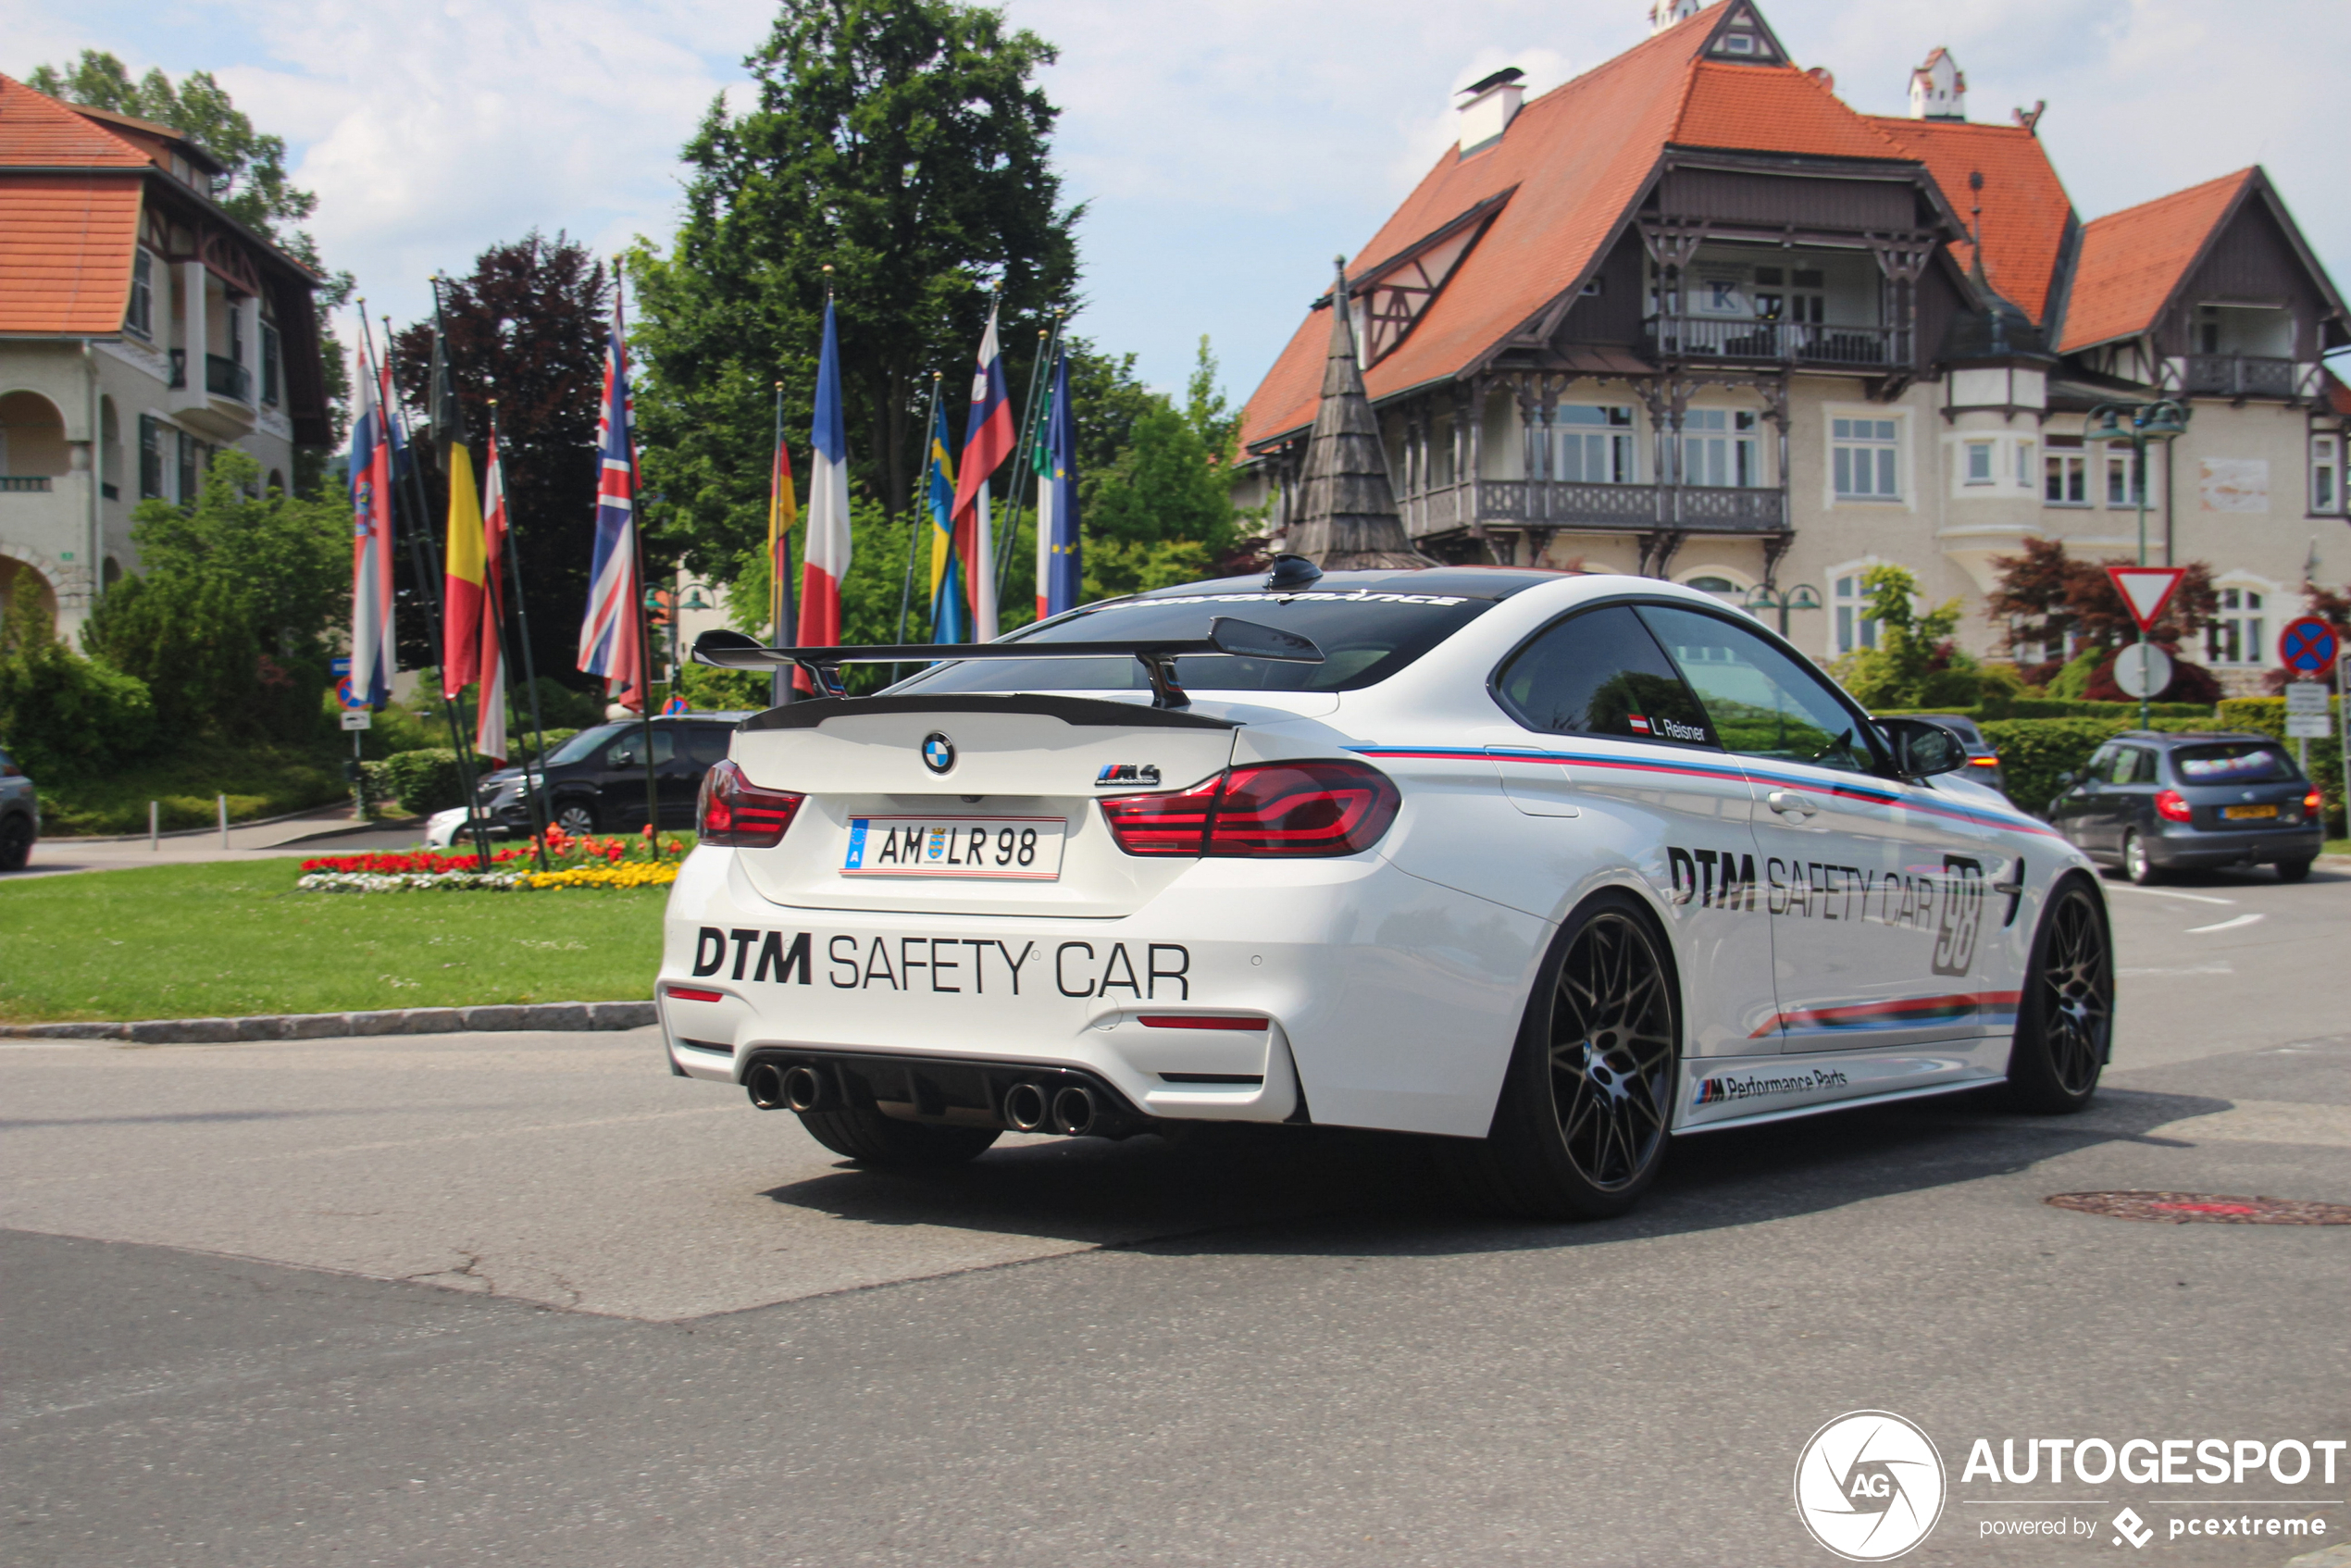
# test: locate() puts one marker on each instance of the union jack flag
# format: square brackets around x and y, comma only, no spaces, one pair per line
[612,635]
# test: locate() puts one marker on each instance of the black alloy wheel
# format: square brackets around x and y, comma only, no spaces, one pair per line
[1588,1106]
[576,817]
[16,843]
[2065,1019]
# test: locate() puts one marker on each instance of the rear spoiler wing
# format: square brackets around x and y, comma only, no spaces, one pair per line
[1247,640]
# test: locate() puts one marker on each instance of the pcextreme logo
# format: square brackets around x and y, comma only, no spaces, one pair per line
[1868,1486]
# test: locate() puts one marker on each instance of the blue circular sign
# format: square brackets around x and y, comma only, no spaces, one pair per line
[939,753]
[2308,645]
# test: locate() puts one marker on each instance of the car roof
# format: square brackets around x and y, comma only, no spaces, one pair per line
[1469,582]
[2193,736]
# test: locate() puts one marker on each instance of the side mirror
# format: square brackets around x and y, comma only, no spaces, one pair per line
[1922,750]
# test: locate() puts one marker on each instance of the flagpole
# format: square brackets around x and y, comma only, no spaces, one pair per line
[424,556]
[479,829]
[778,683]
[530,671]
[917,515]
[1047,340]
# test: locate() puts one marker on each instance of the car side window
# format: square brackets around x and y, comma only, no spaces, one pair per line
[2100,766]
[628,751]
[2143,765]
[1762,703]
[707,745]
[1600,673]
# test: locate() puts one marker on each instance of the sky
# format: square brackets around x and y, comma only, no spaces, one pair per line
[1225,150]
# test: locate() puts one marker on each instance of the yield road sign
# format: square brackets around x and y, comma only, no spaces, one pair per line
[2308,645]
[2147,590]
[2142,669]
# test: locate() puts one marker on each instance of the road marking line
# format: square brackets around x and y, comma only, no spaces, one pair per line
[2265,1121]
[2228,925]
[2166,893]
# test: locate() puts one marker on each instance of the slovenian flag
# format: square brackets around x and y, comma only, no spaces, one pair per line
[988,441]
[1059,567]
[489,664]
[824,558]
[612,634]
[373,647]
[950,613]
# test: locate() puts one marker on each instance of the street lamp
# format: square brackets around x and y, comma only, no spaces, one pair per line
[1803,596]
[2164,419]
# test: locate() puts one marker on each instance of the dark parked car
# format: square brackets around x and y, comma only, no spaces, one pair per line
[596,782]
[2152,803]
[1982,762]
[19,815]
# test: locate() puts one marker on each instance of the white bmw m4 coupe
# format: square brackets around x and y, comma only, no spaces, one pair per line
[1551,867]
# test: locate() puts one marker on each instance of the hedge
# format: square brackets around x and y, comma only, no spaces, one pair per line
[2063,707]
[2035,752]
[2266,714]
[424,781]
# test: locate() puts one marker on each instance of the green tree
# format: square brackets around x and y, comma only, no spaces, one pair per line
[64,716]
[906,147]
[1916,663]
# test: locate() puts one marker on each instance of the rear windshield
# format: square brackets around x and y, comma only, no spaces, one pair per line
[2233,762]
[1366,637]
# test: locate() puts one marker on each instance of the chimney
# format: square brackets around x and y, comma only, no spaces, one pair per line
[1491,105]
[1665,13]
[1938,89]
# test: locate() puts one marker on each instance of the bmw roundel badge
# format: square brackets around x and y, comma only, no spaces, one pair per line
[939,753]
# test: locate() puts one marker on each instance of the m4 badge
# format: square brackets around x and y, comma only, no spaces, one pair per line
[1126,773]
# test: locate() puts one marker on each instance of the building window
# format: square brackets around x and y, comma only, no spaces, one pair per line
[2125,476]
[1718,448]
[141,318]
[150,457]
[190,481]
[236,331]
[2024,466]
[2326,475]
[2065,473]
[2234,637]
[1864,457]
[269,365]
[1595,444]
[1979,462]
[1854,629]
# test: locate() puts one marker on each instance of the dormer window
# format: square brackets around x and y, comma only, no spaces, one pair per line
[1738,43]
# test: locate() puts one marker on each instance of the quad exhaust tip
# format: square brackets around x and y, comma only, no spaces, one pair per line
[1074,1111]
[804,1088]
[764,1084]
[1024,1107]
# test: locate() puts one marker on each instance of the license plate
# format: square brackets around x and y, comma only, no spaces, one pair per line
[1027,849]
[2241,814]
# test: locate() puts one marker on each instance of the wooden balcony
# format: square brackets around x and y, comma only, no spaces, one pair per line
[1598,508]
[1715,341]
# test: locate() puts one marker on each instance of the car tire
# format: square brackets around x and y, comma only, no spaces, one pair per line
[2288,870]
[575,816]
[2065,1013]
[2137,864]
[1586,1106]
[16,843]
[861,1133]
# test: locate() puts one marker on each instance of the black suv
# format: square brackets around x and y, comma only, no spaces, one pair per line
[596,782]
[2152,803]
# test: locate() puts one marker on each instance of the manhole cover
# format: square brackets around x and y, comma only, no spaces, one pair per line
[2203,1208]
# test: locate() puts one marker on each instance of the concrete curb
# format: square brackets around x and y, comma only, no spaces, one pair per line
[548,1016]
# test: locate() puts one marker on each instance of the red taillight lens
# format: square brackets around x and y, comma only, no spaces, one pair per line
[1288,809]
[1983,762]
[2312,804]
[2171,805]
[1171,823]
[735,811]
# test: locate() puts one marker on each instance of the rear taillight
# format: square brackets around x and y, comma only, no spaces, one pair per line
[2173,806]
[1983,762]
[1265,810]
[735,811]
[2311,804]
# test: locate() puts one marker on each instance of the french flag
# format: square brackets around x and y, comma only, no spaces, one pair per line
[988,441]
[823,562]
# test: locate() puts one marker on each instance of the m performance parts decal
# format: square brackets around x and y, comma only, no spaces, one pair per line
[1765,1085]
[947,964]
[1949,904]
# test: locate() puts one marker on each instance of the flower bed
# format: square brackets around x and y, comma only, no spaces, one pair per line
[574,861]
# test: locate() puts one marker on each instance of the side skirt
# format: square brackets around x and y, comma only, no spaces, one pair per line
[1749,1090]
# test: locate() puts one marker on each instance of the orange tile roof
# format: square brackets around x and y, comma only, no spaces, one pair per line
[66,239]
[2132,261]
[37,130]
[2338,394]
[2025,206]
[1574,160]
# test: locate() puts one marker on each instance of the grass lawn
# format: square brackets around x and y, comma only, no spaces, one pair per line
[209,940]
[259,781]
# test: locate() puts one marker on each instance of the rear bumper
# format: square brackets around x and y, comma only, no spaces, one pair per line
[2194,848]
[1386,1000]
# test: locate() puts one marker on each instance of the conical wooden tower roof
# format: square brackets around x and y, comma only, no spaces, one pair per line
[1346,518]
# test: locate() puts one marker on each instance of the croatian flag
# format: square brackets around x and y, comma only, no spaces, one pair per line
[1059,567]
[823,555]
[612,635]
[950,619]
[490,722]
[373,646]
[988,441]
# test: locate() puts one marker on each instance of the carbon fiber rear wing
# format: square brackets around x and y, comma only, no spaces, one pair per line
[1245,640]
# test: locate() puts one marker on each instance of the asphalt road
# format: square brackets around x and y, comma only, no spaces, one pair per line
[529,1299]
